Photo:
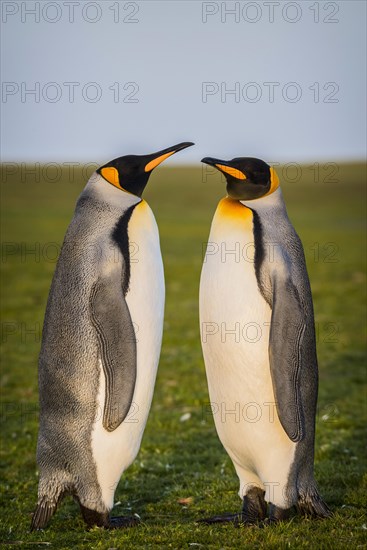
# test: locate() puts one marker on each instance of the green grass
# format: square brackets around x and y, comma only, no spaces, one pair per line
[185,459]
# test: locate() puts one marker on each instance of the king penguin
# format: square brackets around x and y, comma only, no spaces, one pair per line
[258,341]
[101,342]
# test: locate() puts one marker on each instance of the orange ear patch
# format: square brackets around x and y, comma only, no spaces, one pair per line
[111,175]
[274,181]
[231,171]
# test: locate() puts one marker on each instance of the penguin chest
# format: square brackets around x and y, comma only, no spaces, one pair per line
[145,299]
[145,295]
[235,325]
[235,318]
[114,451]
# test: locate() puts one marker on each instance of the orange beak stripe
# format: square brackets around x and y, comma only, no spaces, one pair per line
[231,171]
[153,163]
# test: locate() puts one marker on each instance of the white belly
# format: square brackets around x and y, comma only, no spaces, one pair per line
[114,451]
[234,322]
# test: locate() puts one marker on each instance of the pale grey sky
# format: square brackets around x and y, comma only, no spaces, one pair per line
[111,78]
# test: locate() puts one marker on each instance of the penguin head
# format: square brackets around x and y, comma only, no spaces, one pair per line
[131,172]
[247,178]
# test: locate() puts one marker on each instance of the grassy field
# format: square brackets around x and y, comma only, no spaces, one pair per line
[184,459]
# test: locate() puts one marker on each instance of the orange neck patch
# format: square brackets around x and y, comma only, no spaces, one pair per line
[232,208]
[231,211]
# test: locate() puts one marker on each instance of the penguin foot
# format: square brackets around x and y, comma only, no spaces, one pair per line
[93,518]
[97,519]
[225,518]
[254,510]
[278,514]
[121,522]
[254,507]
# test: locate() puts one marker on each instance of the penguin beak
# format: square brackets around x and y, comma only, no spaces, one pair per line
[160,156]
[225,167]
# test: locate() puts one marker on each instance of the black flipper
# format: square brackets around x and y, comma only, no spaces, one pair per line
[117,344]
[286,350]
[42,514]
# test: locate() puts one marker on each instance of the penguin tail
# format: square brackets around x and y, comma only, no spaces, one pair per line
[44,511]
[312,504]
